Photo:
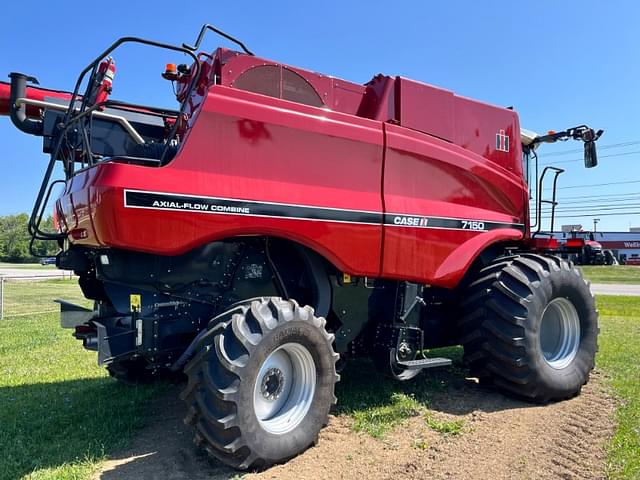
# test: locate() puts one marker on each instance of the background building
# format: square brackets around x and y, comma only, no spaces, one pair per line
[624,245]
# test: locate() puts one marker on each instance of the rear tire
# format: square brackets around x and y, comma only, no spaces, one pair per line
[530,327]
[261,383]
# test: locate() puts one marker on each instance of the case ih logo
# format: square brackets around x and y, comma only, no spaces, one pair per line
[632,244]
[410,221]
[502,141]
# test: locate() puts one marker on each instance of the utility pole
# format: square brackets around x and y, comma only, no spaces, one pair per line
[595,222]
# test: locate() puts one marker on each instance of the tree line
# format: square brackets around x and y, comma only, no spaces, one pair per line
[15,239]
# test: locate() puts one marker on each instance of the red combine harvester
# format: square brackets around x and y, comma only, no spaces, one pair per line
[281,222]
[584,249]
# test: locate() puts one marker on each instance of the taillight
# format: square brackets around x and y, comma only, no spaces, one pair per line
[79,233]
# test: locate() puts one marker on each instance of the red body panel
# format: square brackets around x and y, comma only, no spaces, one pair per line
[342,156]
[252,150]
[427,176]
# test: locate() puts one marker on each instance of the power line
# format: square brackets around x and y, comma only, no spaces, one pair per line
[626,182]
[596,208]
[593,215]
[598,201]
[622,154]
[604,195]
[600,147]
[590,208]
[603,202]
[591,202]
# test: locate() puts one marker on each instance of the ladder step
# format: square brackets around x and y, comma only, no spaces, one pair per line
[425,363]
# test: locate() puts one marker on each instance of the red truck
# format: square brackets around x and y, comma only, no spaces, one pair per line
[280,222]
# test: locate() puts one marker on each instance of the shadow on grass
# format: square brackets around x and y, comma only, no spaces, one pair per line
[447,389]
[165,449]
[45,426]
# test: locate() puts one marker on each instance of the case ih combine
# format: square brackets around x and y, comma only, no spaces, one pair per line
[587,250]
[281,222]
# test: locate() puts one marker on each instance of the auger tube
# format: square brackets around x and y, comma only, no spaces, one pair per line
[18,113]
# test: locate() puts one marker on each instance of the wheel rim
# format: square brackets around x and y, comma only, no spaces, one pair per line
[284,389]
[559,333]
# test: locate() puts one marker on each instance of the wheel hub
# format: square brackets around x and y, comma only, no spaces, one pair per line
[272,384]
[559,333]
[284,388]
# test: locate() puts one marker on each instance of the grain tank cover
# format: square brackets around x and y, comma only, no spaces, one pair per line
[425,108]
[487,130]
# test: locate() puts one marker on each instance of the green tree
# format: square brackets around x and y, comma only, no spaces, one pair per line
[15,238]
[46,248]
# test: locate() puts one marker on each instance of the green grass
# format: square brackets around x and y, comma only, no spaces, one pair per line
[612,274]
[26,298]
[619,356]
[379,407]
[60,414]
[378,420]
[451,427]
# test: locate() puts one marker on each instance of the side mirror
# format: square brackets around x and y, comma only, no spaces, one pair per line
[590,154]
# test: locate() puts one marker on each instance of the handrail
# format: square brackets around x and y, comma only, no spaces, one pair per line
[56,236]
[56,106]
[557,171]
[206,27]
[34,225]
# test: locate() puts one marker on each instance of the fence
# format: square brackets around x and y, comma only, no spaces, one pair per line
[26,295]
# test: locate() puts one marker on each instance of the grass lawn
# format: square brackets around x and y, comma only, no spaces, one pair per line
[612,274]
[60,414]
[26,298]
[619,356]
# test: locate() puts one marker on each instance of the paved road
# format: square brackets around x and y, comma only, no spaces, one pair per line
[32,273]
[615,289]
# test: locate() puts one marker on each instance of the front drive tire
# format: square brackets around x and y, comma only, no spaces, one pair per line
[530,327]
[261,383]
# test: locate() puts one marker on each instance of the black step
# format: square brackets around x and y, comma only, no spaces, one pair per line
[425,363]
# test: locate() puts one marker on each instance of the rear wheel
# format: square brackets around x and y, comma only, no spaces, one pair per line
[262,383]
[530,327]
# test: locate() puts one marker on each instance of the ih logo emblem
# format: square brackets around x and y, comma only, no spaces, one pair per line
[502,141]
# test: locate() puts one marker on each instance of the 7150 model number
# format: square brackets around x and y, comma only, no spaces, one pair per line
[472,225]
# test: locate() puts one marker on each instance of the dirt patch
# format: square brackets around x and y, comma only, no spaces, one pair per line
[510,439]
[501,438]
[164,449]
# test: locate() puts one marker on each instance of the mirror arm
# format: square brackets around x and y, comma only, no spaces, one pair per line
[582,132]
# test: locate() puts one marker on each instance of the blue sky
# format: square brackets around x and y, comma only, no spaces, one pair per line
[560,64]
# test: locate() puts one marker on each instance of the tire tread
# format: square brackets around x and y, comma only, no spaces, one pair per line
[494,320]
[212,408]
